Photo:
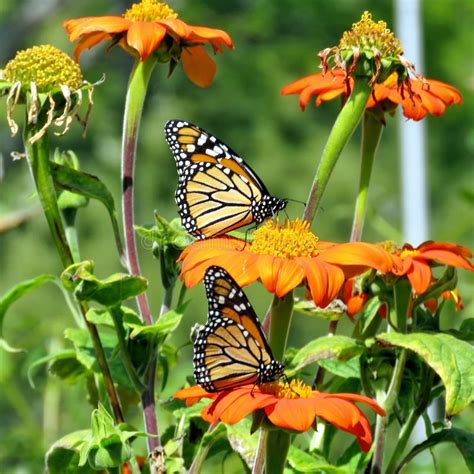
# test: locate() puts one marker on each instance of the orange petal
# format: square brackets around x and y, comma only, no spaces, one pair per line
[269,268]
[177,27]
[198,66]
[324,280]
[292,414]
[88,42]
[297,86]
[94,24]
[193,394]
[355,397]
[419,276]
[290,276]
[359,254]
[145,37]
[448,258]
[455,248]
[214,36]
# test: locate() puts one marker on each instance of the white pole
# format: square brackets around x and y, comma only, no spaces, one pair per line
[412,134]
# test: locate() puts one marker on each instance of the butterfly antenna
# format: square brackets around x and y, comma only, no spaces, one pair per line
[286,214]
[295,200]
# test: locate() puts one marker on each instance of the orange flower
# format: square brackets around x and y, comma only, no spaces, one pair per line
[354,301]
[415,263]
[289,405]
[152,27]
[418,97]
[282,256]
[432,303]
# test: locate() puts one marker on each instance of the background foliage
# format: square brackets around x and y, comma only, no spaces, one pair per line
[276,42]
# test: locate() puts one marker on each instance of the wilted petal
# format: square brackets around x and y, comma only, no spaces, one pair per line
[94,24]
[88,42]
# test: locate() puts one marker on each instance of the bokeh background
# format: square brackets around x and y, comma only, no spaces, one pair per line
[276,42]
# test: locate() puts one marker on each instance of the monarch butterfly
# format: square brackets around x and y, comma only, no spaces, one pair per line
[217,191]
[231,349]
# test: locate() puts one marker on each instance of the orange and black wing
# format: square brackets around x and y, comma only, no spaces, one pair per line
[231,349]
[217,191]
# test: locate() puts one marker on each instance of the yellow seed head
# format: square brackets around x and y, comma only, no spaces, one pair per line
[150,10]
[292,239]
[46,66]
[367,34]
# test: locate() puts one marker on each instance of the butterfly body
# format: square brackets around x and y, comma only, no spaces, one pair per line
[217,191]
[231,349]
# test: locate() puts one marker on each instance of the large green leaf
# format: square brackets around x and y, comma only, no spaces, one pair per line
[302,461]
[462,439]
[89,186]
[328,347]
[15,294]
[242,441]
[110,291]
[451,358]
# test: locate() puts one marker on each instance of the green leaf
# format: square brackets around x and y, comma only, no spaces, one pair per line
[302,461]
[342,368]
[463,440]
[242,442]
[333,312]
[64,365]
[369,313]
[164,326]
[328,347]
[451,358]
[113,290]
[466,330]
[15,294]
[63,456]
[91,187]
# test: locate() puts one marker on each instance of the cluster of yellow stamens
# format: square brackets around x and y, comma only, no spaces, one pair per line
[150,10]
[46,66]
[409,253]
[366,34]
[293,389]
[292,239]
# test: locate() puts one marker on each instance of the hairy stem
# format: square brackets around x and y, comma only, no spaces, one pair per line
[343,128]
[371,133]
[38,159]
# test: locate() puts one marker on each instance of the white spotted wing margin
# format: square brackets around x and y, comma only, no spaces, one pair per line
[231,349]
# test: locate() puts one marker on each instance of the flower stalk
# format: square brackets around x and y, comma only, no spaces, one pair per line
[38,160]
[371,134]
[278,442]
[136,93]
[343,128]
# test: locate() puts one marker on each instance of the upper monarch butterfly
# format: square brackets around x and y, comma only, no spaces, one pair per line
[231,349]
[217,191]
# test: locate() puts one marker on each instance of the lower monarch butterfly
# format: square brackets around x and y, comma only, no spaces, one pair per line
[217,191]
[231,349]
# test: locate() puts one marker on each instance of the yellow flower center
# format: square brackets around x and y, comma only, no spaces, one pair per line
[366,34]
[46,66]
[409,253]
[292,239]
[150,10]
[293,389]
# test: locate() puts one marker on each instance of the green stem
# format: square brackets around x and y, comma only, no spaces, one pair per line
[259,461]
[200,457]
[382,421]
[136,93]
[117,317]
[343,128]
[405,433]
[372,129]
[278,442]
[38,159]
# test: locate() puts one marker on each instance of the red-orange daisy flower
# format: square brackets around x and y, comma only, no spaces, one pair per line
[148,27]
[416,263]
[417,97]
[282,256]
[289,405]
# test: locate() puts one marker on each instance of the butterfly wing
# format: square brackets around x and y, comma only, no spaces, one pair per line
[231,349]
[217,191]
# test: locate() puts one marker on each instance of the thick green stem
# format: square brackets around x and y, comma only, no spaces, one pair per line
[343,128]
[278,442]
[259,461]
[371,133]
[136,93]
[38,159]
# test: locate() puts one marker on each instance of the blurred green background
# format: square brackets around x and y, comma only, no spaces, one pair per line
[275,43]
